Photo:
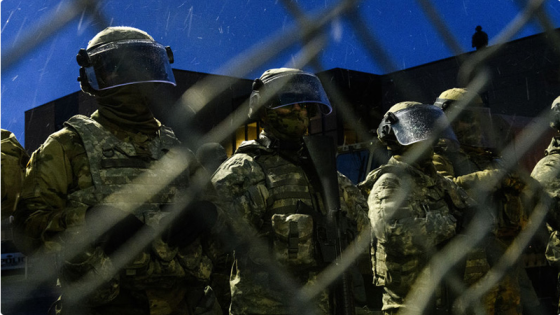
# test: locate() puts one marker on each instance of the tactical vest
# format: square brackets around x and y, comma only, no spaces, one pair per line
[291,216]
[123,178]
[434,198]
[287,183]
[137,184]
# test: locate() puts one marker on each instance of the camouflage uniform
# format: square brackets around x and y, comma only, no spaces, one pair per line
[471,171]
[270,196]
[473,167]
[101,192]
[74,170]
[469,168]
[546,173]
[14,159]
[412,212]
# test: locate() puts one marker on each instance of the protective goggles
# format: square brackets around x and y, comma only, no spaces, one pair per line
[127,62]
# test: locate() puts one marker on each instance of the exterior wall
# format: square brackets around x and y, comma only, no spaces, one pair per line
[526,77]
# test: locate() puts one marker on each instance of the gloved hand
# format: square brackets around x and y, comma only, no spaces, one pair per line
[196,219]
[112,226]
[513,182]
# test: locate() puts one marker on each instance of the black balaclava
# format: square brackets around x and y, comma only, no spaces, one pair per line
[128,107]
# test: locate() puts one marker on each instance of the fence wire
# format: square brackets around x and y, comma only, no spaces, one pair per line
[310,31]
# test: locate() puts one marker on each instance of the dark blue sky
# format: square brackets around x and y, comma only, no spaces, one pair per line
[214,36]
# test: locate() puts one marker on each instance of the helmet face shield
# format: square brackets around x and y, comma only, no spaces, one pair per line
[298,88]
[128,62]
[421,123]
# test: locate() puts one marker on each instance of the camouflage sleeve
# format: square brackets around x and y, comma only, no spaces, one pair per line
[354,203]
[473,180]
[395,224]
[58,167]
[240,185]
[14,159]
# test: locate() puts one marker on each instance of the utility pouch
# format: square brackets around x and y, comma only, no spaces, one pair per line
[293,243]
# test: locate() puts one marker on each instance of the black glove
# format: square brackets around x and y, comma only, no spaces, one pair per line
[112,226]
[513,183]
[196,219]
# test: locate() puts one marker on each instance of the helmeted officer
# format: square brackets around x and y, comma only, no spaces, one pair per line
[546,172]
[109,192]
[272,196]
[14,160]
[472,166]
[413,210]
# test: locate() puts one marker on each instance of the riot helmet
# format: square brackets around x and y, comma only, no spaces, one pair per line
[283,87]
[470,119]
[555,113]
[407,123]
[122,55]
[285,99]
[450,97]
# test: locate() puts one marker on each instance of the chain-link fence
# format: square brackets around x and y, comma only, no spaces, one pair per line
[310,33]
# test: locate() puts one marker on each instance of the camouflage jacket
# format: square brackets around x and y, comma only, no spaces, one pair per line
[546,172]
[412,214]
[14,159]
[78,167]
[275,210]
[481,174]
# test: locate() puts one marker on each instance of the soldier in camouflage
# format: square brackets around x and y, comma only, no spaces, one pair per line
[14,160]
[413,210]
[105,193]
[472,166]
[273,200]
[546,172]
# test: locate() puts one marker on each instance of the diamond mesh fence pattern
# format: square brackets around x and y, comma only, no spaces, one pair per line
[473,74]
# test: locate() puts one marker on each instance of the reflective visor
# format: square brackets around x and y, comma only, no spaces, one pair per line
[293,88]
[128,62]
[420,123]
